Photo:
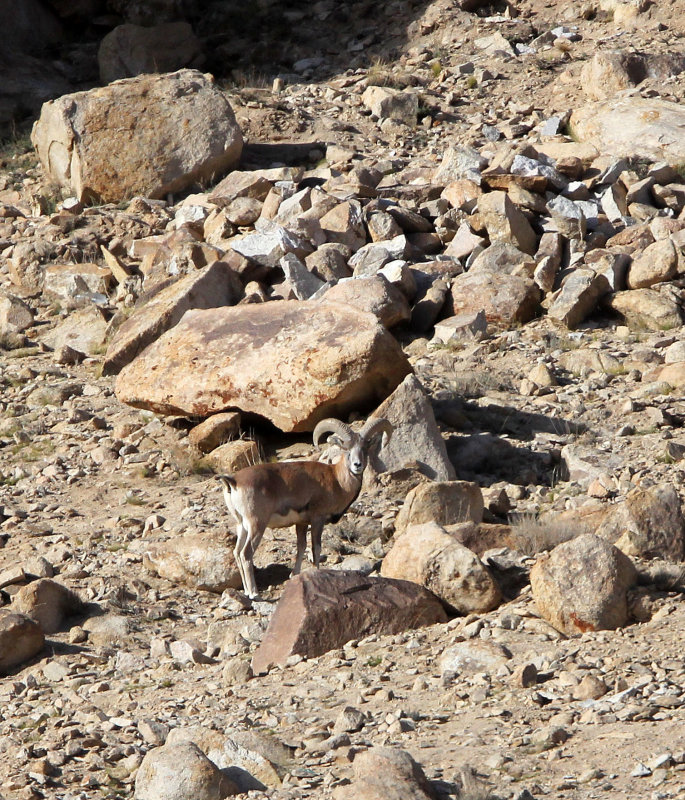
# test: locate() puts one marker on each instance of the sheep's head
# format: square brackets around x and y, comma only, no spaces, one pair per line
[355,445]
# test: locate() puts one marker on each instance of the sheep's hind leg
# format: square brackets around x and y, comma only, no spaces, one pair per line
[248,541]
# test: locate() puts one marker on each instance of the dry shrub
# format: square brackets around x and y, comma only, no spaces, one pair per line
[532,535]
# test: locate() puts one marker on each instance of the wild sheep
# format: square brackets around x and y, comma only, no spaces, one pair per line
[300,493]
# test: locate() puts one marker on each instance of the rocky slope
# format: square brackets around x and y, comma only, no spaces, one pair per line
[555,387]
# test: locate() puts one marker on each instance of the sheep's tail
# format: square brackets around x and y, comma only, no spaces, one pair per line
[227,480]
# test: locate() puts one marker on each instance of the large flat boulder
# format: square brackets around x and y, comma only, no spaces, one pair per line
[216,285]
[320,610]
[292,362]
[633,127]
[149,135]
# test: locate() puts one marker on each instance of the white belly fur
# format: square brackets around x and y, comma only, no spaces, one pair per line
[291,518]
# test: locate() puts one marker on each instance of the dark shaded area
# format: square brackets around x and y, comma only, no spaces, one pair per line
[50,47]
[494,447]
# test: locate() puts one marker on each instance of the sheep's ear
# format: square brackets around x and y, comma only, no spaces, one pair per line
[336,440]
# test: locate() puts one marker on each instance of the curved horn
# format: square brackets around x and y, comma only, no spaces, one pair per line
[332,425]
[374,427]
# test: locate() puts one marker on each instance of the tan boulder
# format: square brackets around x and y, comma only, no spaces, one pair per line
[130,50]
[673,374]
[426,554]
[344,224]
[320,610]
[150,135]
[214,431]
[505,299]
[178,771]
[649,523]
[658,262]
[21,638]
[646,309]
[194,560]
[633,127]
[48,603]
[215,285]
[445,502]
[385,773]
[15,315]
[230,457]
[374,294]
[582,585]
[291,362]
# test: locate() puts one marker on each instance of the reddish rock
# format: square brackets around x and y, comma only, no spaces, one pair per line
[320,610]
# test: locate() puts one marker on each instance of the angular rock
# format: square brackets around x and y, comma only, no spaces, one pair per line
[426,554]
[388,103]
[320,610]
[375,295]
[48,603]
[291,362]
[582,585]
[505,223]
[214,286]
[568,217]
[458,163]
[149,135]
[416,438]
[505,258]
[649,523]
[21,638]
[194,560]
[179,772]
[578,297]
[83,330]
[464,242]
[384,773]
[15,315]
[267,245]
[505,299]
[463,327]
[130,50]
[304,283]
[444,503]
[344,224]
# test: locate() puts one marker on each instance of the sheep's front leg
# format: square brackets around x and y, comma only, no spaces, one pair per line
[301,530]
[317,529]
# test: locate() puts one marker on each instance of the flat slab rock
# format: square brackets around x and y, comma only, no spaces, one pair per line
[292,362]
[320,610]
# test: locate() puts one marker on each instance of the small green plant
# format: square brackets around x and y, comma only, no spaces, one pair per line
[436,68]
[374,661]
[471,82]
